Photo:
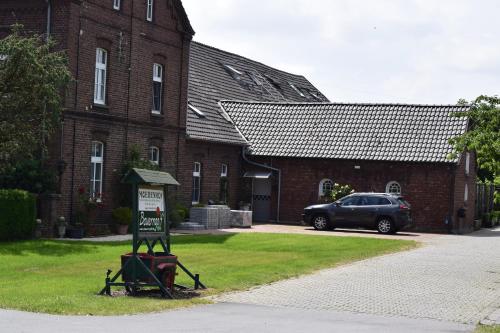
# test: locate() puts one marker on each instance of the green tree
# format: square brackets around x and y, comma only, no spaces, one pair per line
[33,78]
[483,136]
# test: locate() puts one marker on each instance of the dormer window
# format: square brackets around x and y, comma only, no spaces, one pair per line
[116,4]
[196,110]
[149,11]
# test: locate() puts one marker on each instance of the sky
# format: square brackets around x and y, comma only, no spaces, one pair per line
[365,51]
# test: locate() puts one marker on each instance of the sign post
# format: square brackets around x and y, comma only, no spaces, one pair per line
[150,227]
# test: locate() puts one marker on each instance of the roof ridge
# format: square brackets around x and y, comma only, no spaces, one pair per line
[248,59]
[344,103]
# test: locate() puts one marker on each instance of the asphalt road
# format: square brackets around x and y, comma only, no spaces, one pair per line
[225,317]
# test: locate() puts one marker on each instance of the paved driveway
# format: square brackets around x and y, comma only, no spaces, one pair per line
[452,278]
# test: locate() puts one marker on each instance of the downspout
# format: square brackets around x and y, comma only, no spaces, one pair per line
[245,158]
[49,18]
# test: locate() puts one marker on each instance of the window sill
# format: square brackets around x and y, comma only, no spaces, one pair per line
[155,115]
[99,107]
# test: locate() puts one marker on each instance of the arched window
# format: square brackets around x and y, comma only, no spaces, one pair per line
[154,155]
[393,188]
[325,187]
[96,168]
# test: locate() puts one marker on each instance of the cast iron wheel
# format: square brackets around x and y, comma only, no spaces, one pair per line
[320,222]
[385,226]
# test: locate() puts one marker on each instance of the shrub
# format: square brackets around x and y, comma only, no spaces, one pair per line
[122,215]
[17,220]
[339,191]
[178,214]
[29,175]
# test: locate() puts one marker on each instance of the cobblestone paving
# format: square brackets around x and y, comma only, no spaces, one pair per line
[452,278]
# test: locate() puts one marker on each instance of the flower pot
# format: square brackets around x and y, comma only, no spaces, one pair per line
[61,230]
[76,233]
[122,229]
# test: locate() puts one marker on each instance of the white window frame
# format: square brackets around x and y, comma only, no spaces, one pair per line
[392,184]
[466,193]
[149,10]
[157,78]
[152,151]
[98,163]
[116,4]
[322,183]
[467,163]
[196,183]
[223,172]
[100,76]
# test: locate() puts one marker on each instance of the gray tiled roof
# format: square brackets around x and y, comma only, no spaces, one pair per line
[384,132]
[210,82]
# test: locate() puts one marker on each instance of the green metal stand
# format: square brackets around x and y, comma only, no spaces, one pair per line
[146,177]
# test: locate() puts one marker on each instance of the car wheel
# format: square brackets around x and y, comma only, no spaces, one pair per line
[320,222]
[385,226]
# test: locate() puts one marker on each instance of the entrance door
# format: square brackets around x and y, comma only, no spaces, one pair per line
[261,198]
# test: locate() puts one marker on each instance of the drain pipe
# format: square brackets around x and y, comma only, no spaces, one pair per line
[49,18]
[245,158]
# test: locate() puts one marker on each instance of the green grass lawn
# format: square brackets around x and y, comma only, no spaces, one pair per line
[488,329]
[65,277]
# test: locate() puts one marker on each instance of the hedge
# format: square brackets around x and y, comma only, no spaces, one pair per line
[17,214]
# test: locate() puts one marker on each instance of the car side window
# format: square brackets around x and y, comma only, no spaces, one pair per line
[383,201]
[352,201]
[370,201]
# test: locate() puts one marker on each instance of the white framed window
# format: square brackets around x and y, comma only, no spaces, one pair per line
[116,4]
[100,76]
[196,183]
[393,188]
[466,193]
[325,186]
[149,11]
[467,163]
[157,88]
[223,172]
[154,155]
[96,169]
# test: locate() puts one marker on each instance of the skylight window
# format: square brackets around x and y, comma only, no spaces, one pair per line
[234,70]
[196,110]
[254,78]
[297,90]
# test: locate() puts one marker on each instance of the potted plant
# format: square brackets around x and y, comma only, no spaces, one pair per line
[61,226]
[88,206]
[122,216]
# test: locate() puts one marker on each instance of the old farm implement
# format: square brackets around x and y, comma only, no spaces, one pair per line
[150,228]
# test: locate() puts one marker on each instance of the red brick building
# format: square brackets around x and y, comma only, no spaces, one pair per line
[139,80]
[303,149]
[129,61]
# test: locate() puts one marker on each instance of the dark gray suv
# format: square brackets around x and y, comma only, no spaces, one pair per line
[384,212]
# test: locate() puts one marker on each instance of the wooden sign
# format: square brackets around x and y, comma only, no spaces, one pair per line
[151,213]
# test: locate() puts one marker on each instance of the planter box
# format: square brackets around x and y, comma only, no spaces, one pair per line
[211,217]
[241,218]
[76,233]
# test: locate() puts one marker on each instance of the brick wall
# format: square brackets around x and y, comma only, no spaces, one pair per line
[133,45]
[427,186]
[464,224]
[211,156]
